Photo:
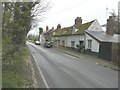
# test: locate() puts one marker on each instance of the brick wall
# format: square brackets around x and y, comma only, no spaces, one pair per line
[116,53]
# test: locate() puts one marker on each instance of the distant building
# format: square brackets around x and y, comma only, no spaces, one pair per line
[46,36]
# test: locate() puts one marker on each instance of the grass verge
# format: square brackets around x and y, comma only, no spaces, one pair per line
[12,69]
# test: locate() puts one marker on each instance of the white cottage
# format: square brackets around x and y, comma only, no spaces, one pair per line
[90,43]
[105,44]
[74,35]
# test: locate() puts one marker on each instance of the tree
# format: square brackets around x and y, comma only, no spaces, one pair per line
[116,22]
[16,22]
[38,11]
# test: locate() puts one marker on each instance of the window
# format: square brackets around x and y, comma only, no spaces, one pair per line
[58,42]
[55,42]
[63,43]
[72,43]
[89,44]
[80,43]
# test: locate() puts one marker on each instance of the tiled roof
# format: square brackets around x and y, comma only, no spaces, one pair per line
[103,37]
[68,30]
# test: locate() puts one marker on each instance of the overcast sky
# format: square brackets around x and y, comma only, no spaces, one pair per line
[64,12]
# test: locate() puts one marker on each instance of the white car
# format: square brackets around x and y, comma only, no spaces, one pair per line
[37,42]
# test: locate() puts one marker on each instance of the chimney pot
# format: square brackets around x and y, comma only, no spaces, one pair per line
[58,26]
[47,28]
[52,28]
[78,22]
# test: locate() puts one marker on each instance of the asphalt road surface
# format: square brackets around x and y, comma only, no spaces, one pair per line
[59,70]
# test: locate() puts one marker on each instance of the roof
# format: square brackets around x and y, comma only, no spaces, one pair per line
[58,32]
[68,30]
[47,32]
[84,27]
[102,36]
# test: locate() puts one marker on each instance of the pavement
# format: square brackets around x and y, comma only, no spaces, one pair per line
[93,59]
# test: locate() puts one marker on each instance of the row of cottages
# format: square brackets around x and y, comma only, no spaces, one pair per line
[91,36]
[74,36]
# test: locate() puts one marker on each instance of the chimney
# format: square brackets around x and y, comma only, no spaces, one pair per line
[110,26]
[58,26]
[78,22]
[52,28]
[47,28]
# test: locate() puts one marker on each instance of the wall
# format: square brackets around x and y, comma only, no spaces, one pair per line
[75,38]
[105,51]
[95,44]
[65,39]
[115,53]
[54,40]
[42,39]
[95,26]
[68,39]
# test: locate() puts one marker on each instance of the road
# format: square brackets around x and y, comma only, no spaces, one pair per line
[59,70]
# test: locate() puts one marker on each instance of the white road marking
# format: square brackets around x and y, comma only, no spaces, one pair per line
[68,55]
[41,73]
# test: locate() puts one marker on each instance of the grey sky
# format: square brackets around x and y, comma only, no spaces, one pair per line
[65,11]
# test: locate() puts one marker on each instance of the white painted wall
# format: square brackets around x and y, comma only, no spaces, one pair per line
[95,44]
[42,39]
[56,38]
[68,39]
[65,39]
[75,38]
[95,26]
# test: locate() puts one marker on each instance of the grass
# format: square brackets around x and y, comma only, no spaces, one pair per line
[12,76]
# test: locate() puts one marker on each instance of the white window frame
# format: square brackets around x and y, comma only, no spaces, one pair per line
[72,43]
[89,44]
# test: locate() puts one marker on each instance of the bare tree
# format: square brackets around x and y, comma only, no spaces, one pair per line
[38,11]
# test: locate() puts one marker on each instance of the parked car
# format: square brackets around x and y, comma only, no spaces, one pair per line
[29,40]
[48,44]
[37,42]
